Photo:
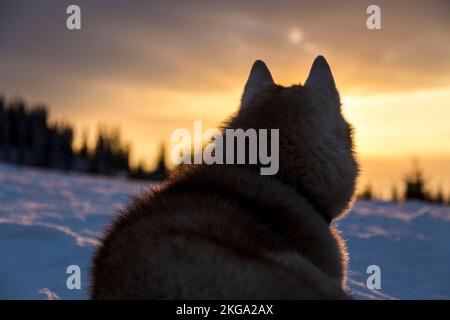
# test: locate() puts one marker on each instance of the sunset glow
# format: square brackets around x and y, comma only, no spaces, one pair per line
[162,68]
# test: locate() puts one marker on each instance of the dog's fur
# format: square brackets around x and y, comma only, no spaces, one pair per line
[225,231]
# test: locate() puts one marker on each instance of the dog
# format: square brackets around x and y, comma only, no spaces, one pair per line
[228,232]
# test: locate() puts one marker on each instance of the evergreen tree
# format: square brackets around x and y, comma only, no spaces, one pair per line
[439,197]
[367,193]
[160,172]
[415,185]
[27,138]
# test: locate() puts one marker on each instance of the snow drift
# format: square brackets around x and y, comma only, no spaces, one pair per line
[50,220]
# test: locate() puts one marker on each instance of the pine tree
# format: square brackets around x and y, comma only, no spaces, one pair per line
[367,193]
[415,185]
[160,172]
[439,197]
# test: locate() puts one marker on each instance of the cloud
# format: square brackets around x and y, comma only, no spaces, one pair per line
[209,45]
[167,62]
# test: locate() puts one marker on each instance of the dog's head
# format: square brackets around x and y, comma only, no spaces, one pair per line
[315,145]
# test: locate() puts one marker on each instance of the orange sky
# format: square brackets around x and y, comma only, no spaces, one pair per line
[153,67]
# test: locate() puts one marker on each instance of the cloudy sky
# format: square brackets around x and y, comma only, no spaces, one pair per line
[152,66]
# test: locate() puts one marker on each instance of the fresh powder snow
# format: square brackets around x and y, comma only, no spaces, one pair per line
[50,220]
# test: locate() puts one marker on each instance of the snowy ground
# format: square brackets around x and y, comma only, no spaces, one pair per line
[51,220]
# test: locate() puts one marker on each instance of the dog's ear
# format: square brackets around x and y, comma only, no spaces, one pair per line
[320,76]
[259,78]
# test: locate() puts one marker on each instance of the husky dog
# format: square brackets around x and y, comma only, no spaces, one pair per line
[227,232]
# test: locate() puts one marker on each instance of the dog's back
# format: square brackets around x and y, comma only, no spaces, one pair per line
[227,232]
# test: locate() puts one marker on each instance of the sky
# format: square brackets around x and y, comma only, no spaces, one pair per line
[150,67]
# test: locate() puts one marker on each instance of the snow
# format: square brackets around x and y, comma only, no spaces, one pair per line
[410,242]
[51,220]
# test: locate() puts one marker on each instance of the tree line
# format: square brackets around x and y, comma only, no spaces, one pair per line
[415,187]
[27,137]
